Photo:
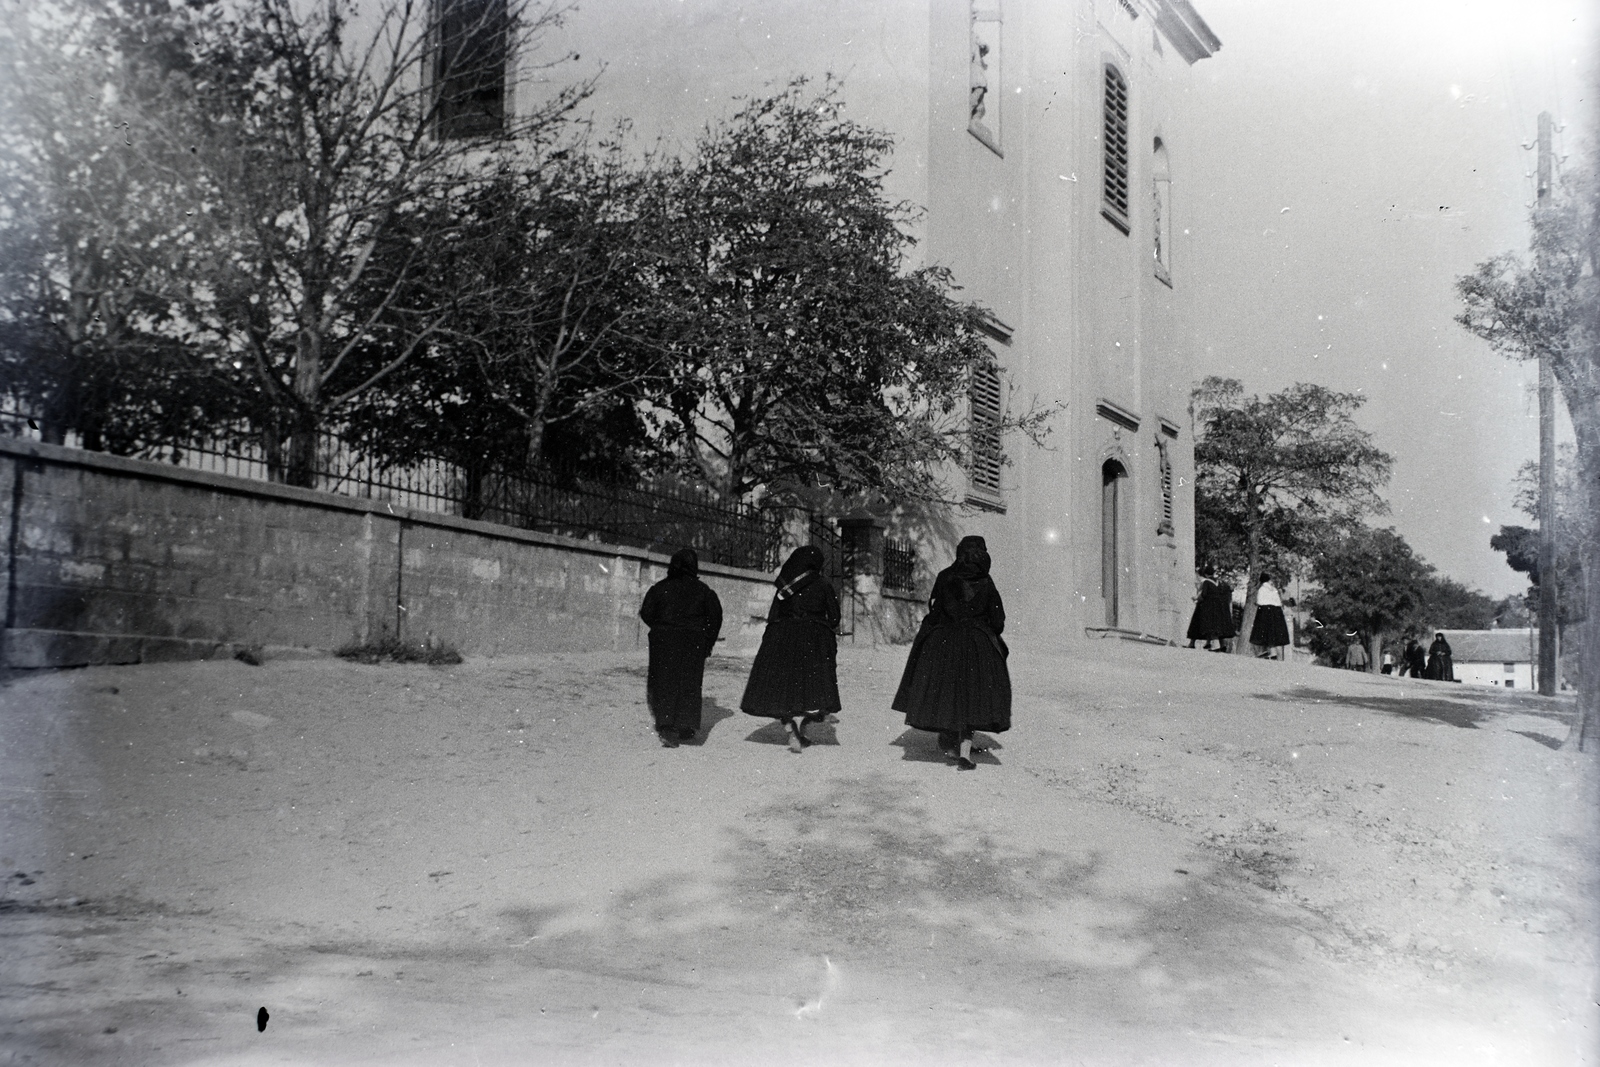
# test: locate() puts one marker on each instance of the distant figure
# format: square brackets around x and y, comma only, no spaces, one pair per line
[1355,657]
[1387,666]
[1441,665]
[956,679]
[684,616]
[1213,615]
[1270,630]
[794,675]
[1414,662]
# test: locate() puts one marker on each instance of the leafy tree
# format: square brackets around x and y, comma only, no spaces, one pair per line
[1276,478]
[1550,307]
[806,353]
[1449,605]
[540,365]
[96,226]
[1370,581]
[331,145]
[1511,612]
[1521,544]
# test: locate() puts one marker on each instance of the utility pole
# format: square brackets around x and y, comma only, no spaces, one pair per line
[1547,462]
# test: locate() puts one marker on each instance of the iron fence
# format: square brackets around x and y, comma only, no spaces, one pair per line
[661,513]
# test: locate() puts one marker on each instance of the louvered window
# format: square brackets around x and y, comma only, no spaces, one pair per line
[469,66]
[1165,528]
[1115,146]
[984,415]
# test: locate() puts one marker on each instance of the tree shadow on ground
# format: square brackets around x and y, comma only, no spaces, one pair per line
[1465,709]
[1429,709]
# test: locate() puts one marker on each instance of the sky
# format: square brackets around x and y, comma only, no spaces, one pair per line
[1353,160]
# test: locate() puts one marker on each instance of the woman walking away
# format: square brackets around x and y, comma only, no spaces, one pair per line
[1441,662]
[684,616]
[956,681]
[1270,630]
[1213,615]
[794,675]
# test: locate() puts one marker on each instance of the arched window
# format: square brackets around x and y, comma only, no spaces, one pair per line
[1161,206]
[1115,146]
[1113,479]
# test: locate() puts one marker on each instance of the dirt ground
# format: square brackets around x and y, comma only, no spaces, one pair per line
[1173,858]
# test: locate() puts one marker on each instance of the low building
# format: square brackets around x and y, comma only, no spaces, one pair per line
[1494,657]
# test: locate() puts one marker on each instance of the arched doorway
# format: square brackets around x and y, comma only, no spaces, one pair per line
[1113,479]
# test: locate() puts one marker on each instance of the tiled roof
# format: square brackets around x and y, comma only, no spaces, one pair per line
[1492,646]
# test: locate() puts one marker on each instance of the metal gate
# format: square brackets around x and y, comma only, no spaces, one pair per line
[838,566]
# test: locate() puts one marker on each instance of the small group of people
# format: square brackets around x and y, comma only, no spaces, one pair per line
[1213,619]
[1437,664]
[955,681]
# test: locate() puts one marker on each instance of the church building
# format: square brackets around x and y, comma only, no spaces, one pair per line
[1048,142]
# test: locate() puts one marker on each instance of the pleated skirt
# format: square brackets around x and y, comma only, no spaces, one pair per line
[795,671]
[956,679]
[1270,629]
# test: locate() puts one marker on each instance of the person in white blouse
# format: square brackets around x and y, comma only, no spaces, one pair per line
[1270,631]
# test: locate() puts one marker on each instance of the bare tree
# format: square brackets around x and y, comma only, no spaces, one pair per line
[333,142]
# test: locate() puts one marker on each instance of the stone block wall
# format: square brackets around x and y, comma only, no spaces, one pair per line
[111,560]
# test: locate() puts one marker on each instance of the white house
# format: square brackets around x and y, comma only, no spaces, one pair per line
[1494,657]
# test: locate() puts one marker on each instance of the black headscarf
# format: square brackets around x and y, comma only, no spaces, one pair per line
[802,561]
[972,559]
[685,564]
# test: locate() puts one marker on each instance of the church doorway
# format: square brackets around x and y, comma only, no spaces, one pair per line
[1113,488]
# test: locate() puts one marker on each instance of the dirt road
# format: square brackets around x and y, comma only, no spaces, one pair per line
[1174,858]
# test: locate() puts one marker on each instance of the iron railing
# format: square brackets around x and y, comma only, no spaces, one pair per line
[661,513]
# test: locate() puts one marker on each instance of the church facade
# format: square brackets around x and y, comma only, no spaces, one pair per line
[1047,141]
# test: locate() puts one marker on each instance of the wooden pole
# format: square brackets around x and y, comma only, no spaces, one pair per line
[1546,675]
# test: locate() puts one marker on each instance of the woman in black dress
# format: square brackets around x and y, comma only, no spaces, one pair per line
[794,674]
[956,681]
[684,616]
[1441,660]
[1213,614]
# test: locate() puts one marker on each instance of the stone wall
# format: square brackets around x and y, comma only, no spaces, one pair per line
[112,560]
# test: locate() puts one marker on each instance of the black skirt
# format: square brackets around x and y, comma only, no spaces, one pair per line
[794,670]
[677,674]
[1269,630]
[956,679]
[1212,619]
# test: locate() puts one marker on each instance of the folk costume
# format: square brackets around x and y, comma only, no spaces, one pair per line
[1415,661]
[1270,630]
[1441,662]
[685,617]
[794,673]
[956,680]
[1213,614]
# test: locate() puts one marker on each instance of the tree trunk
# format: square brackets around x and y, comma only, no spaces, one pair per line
[302,466]
[1252,584]
[1585,732]
[1374,652]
